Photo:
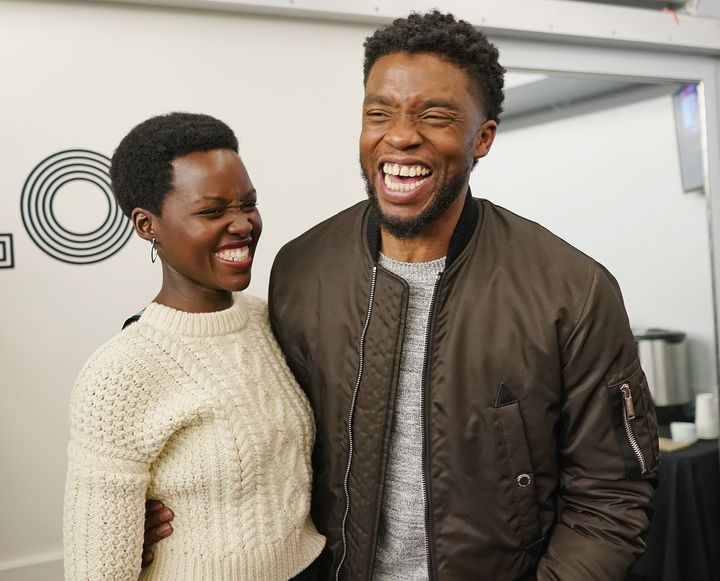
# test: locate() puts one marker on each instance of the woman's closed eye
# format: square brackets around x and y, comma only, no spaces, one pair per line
[212,212]
[218,211]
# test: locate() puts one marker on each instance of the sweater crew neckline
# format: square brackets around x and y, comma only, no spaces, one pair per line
[217,323]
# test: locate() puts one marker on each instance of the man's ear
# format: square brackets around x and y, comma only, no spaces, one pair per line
[144,223]
[484,138]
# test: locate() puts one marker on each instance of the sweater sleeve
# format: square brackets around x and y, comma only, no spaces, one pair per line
[608,455]
[109,457]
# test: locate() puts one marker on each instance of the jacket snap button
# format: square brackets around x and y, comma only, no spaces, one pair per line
[524,480]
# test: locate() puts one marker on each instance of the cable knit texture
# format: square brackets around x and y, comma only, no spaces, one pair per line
[199,410]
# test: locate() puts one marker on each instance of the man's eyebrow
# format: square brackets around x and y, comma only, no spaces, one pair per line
[430,103]
[376,99]
[442,103]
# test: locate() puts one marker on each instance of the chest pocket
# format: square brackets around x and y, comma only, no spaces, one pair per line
[519,466]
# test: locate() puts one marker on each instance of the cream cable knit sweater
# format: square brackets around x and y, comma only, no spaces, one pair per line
[198,410]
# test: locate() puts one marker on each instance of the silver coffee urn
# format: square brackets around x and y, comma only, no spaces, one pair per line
[663,356]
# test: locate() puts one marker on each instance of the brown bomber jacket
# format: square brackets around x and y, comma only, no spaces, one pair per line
[540,434]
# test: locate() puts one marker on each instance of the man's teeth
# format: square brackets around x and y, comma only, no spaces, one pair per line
[405,170]
[395,169]
[402,186]
[236,254]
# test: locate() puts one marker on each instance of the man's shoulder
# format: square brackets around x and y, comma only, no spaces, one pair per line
[335,241]
[338,228]
[329,255]
[532,240]
[548,265]
[543,259]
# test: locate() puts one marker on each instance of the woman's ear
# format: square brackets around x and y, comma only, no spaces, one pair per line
[143,222]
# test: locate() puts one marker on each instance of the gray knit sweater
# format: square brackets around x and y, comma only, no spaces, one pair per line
[401,553]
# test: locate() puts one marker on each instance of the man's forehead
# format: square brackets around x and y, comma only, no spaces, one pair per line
[417,63]
[415,59]
[420,74]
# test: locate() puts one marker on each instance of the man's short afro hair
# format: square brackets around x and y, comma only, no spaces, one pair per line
[456,40]
[141,173]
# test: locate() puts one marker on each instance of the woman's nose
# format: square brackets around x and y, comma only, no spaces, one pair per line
[240,223]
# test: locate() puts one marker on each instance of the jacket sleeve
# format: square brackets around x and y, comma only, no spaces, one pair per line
[107,479]
[607,445]
[282,311]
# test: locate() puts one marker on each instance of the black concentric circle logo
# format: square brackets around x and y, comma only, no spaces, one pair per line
[37,206]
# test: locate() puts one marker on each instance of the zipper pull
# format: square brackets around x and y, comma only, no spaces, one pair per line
[628,401]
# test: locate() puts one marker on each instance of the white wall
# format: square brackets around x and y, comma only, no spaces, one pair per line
[609,183]
[76,75]
[81,75]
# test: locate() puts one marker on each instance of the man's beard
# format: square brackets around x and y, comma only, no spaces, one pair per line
[441,201]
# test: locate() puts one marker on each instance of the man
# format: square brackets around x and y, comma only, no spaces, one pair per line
[480,409]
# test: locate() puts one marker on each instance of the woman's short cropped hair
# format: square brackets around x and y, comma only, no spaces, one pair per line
[141,170]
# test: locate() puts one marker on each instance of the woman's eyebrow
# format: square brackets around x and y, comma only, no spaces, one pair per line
[222,199]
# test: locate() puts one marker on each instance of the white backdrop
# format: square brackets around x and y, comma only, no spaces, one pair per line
[78,75]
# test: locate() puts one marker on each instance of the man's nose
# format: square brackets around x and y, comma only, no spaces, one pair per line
[403,134]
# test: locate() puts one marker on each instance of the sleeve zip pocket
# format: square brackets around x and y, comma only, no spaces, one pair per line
[634,424]
[628,417]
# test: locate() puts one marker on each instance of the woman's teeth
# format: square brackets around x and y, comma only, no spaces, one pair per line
[235,255]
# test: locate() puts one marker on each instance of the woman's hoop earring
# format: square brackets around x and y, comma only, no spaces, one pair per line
[153,251]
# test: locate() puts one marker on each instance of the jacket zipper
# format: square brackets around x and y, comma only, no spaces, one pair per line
[426,498]
[628,416]
[358,379]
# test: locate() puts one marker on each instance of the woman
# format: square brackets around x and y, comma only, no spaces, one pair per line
[192,404]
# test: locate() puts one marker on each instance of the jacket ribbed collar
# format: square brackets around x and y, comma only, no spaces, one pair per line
[464,229]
